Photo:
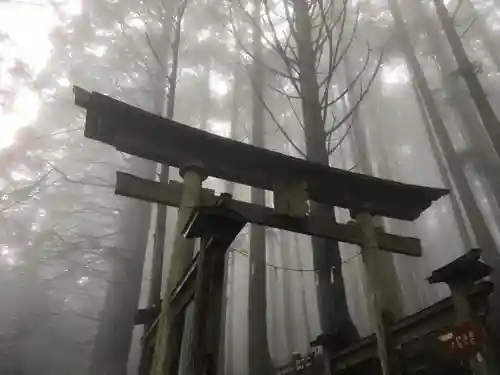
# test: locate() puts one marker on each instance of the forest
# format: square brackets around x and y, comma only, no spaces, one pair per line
[406,90]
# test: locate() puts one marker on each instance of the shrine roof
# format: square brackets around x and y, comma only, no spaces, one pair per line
[140,133]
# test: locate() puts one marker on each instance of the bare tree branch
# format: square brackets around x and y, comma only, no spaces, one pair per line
[177,18]
[352,168]
[329,26]
[354,81]
[341,140]
[153,50]
[282,92]
[291,64]
[332,55]
[35,191]
[342,29]
[41,136]
[361,97]
[288,46]
[299,120]
[277,46]
[459,5]
[275,120]
[285,46]
[468,27]
[80,182]
[342,54]
[292,79]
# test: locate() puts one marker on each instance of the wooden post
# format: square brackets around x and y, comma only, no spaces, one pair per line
[327,360]
[461,276]
[465,313]
[208,305]
[169,335]
[134,187]
[217,226]
[201,306]
[369,252]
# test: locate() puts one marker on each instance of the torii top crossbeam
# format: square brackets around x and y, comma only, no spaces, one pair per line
[152,137]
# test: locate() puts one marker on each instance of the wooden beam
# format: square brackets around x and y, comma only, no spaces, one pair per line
[134,187]
[184,291]
[408,330]
[143,134]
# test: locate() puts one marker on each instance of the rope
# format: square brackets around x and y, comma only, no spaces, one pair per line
[296,269]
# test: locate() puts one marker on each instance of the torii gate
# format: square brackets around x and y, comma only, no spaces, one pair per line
[294,182]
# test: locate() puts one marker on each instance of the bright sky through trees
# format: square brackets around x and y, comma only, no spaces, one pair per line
[27,26]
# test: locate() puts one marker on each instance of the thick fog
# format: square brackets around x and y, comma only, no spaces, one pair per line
[369,86]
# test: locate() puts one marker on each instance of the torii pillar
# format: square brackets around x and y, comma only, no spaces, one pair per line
[377,300]
[169,336]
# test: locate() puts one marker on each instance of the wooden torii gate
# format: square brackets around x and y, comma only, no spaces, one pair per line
[294,182]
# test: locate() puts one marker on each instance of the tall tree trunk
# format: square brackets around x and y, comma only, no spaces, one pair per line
[112,344]
[468,73]
[165,106]
[161,219]
[290,335]
[221,361]
[259,359]
[478,223]
[333,311]
[278,341]
[443,171]
[305,315]
[227,359]
[482,156]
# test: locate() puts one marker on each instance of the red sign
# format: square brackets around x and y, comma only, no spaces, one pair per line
[299,364]
[462,341]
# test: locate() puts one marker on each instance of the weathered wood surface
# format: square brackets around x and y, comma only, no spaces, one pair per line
[184,291]
[376,302]
[134,187]
[143,134]
[461,276]
[408,330]
[170,326]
